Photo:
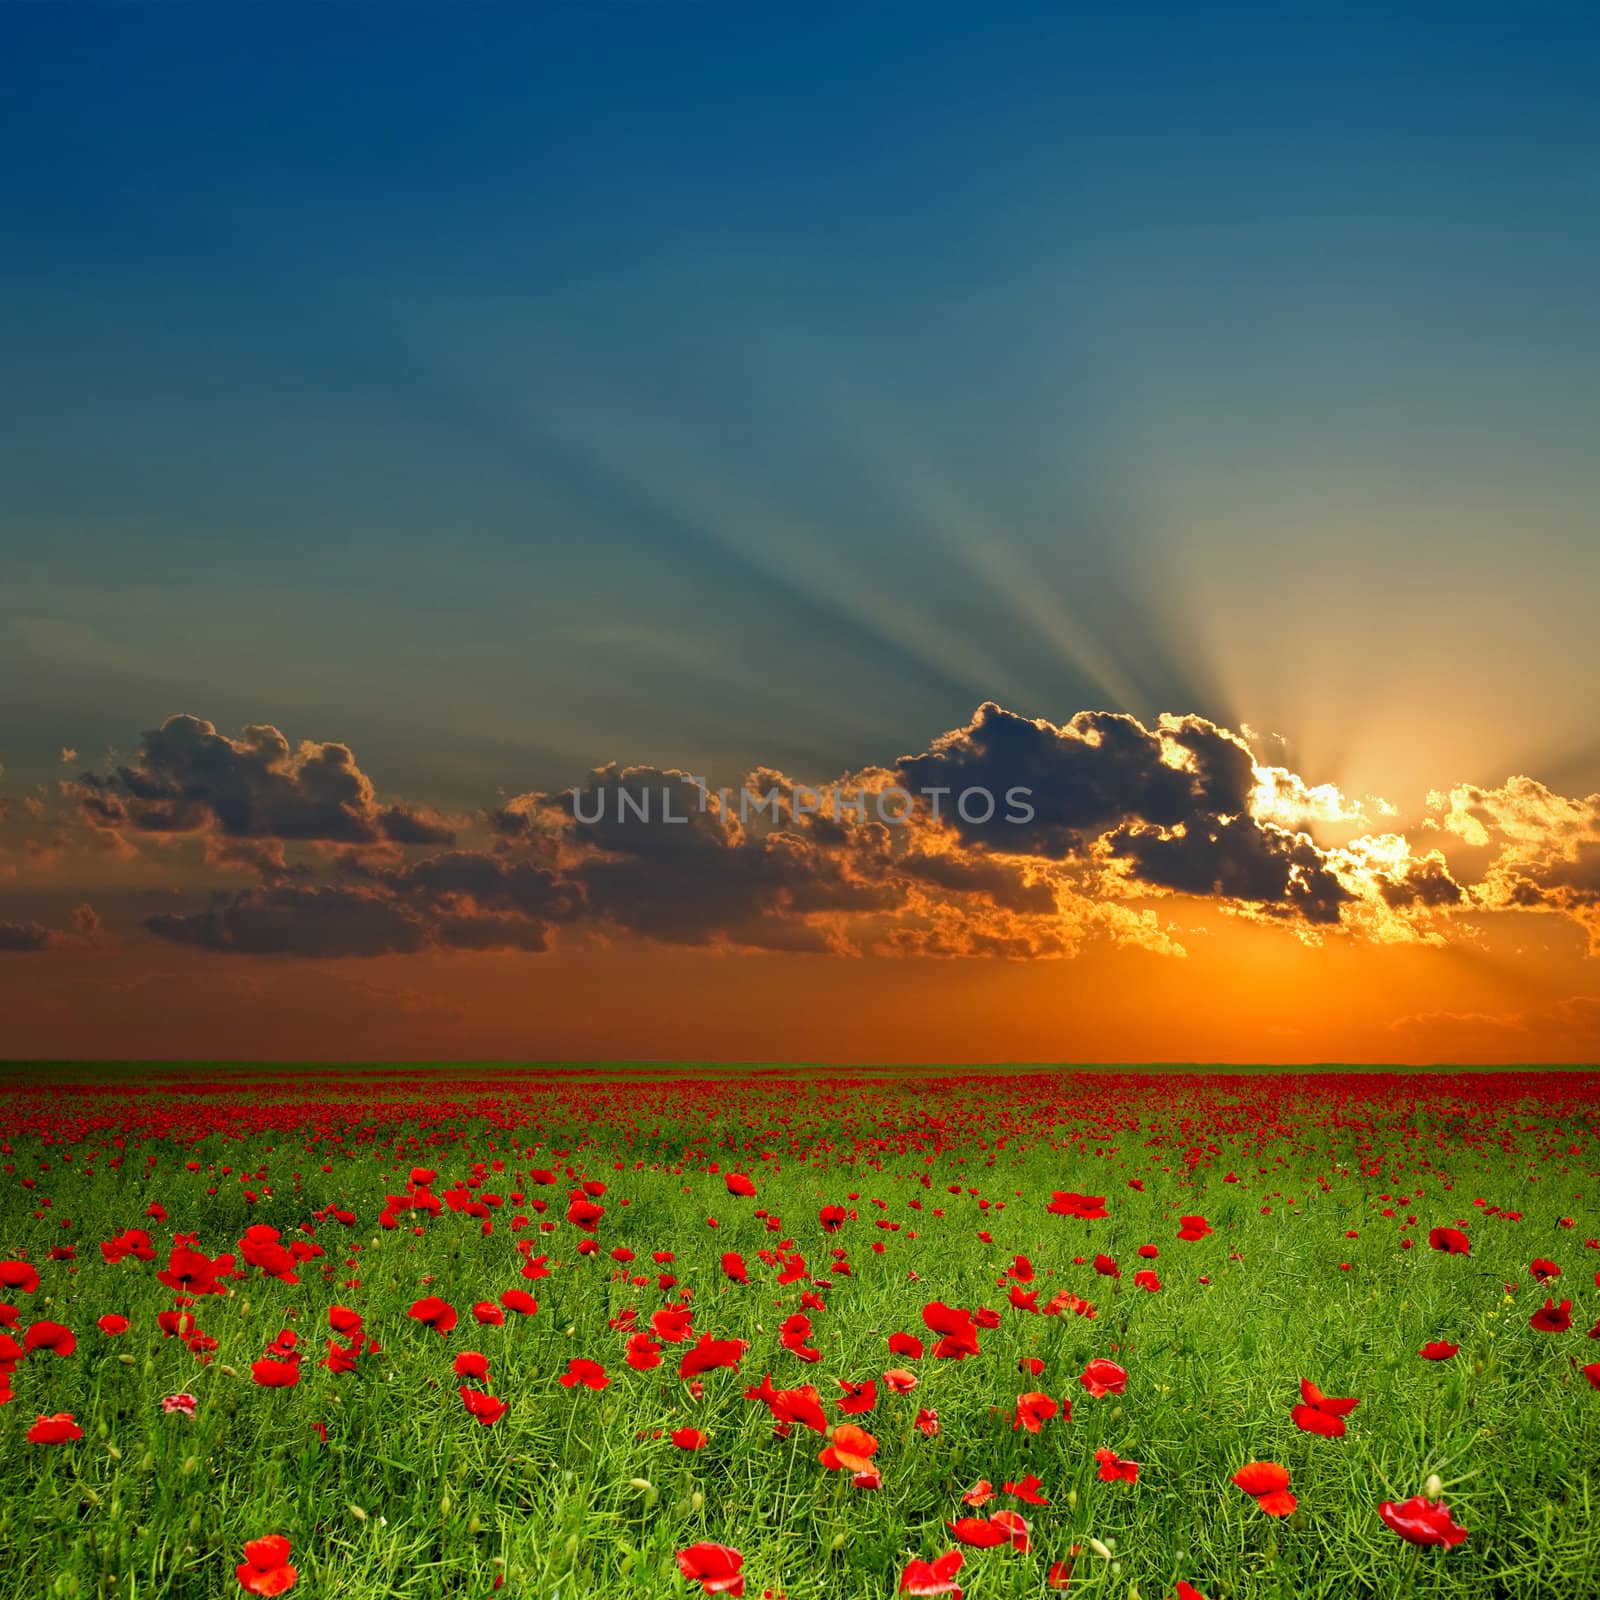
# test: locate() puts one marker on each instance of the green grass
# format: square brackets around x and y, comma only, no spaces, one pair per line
[411,1497]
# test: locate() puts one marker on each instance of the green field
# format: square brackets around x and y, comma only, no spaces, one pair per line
[1319,1189]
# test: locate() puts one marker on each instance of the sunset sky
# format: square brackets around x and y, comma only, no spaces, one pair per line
[1189,413]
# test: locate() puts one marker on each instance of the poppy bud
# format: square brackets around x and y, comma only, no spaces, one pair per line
[572,1544]
[128,1361]
[697,1500]
[1099,1549]
[838,1542]
[1072,1499]
[475,1524]
[356,1512]
[190,1465]
[640,1483]
[1116,1413]
[1434,1487]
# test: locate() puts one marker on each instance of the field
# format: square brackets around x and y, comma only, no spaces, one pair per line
[459,1331]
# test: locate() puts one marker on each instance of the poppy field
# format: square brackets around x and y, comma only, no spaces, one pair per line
[668,1332]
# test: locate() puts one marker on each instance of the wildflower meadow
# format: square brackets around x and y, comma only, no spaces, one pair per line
[1151,1335]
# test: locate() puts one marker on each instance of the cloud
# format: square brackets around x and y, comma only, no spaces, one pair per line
[29,938]
[189,779]
[1078,832]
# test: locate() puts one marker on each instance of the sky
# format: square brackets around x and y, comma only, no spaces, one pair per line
[1184,414]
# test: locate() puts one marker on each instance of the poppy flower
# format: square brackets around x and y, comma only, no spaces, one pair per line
[1113,1469]
[905,1344]
[1551,1318]
[273,1374]
[60,1340]
[487,1313]
[471,1364]
[858,1397]
[1027,1490]
[1192,1228]
[715,1567]
[113,1322]
[738,1184]
[1438,1350]
[710,1354]
[1592,1373]
[832,1218]
[899,1381]
[1015,1528]
[1033,1411]
[1102,1377]
[1085,1207]
[21,1276]
[789,1406]
[59,1429]
[689,1439]
[485,1407]
[935,1577]
[1420,1521]
[1060,1574]
[852,1449]
[182,1403]
[1321,1413]
[589,1373]
[1543,1271]
[1450,1240]
[1187,1591]
[432,1312]
[958,1337]
[980,1494]
[1268,1485]
[1147,1280]
[733,1266]
[520,1301]
[343,1320]
[265,1568]
[927,1422]
[980,1532]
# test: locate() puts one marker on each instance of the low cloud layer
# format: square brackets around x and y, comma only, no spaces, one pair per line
[1100,827]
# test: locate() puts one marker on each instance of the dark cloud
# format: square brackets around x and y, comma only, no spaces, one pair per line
[188,778]
[24,937]
[298,921]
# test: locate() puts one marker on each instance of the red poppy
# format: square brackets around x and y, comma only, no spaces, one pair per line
[1268,1485]
[852,1449]
[958,1337]
[714,1566]
[905,1344]
[1420,1521]
[1086,1207]
[485,1407]
[935,1577]
[1060,1574]
[1543,1271]
[1321,1413]
[1187,1591]
[1552,1318]
[980,1532]
[739,1184]
[22,1276]
[980,1494]
[59,1429]
[927,1422]
[689,1439]
[1438,1350]
[471,1364]
[789,1406]
[1033,1411]
[274,1374]
[432,1312]
[265,1568]
[899,1381]
[1192,1228]
[488,1313]
[589,1373]
[858,1397]
[520,1301]
[343,1320]
[56,1338]
[832,1218]
[1592,1373]
[1451,1240]
[1146,1280]
[1027,1490]
[113,1323]
[1102,1377]
[1113,1469]
[733,1265]
[709,1354]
